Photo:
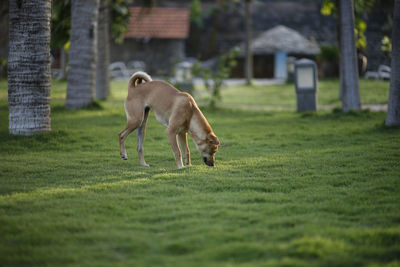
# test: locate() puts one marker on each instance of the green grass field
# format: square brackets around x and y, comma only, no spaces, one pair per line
[282,97]
[288,189]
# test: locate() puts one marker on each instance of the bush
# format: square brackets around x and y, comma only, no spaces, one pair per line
[3,68]
[329,53]
[213,80]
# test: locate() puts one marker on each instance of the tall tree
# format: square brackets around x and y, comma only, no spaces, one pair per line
[29,66]
[348,58]
[82,54]
[393,115]
[103,52]
[249,53]
[332,7]
[60,28]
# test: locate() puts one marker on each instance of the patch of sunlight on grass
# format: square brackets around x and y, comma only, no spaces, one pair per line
[168,175]
[50,192]
[288,189]
[318,247]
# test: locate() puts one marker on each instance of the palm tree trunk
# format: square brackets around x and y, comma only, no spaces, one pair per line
[249,52]
[82,54]
[29,66]
[348,58]
[103,52]
[393,115]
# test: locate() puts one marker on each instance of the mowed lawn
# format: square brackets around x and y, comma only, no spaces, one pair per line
[288,189]
[283,97]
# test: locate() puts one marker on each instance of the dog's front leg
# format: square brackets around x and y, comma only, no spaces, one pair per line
[172,136]
[182,137]
[141,133]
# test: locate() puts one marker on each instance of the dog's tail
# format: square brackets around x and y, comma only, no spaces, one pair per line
[138,78]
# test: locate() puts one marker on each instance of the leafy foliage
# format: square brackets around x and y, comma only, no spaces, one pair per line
[196,13]
[329,53]
[61,22]
[119,19]
[387,46]
[386,40]
[213,80]
[331,7]
[3,68]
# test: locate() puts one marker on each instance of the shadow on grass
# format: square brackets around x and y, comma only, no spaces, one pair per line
[38,142]
[60,107]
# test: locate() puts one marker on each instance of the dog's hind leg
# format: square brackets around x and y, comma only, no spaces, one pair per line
[131,125]
[182,138]
[134,114]
[141,133]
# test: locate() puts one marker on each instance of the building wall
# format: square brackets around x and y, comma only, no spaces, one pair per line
[225,28]
[160,55]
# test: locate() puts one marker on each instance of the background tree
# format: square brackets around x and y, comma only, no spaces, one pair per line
[196,25]
[3,38]
[29,66]
[248,48]
[348,58]
[116,20]
[393,115]
[361,7]
[214,80]
[103,52]
[61,21]
[60,30]
[120,16]
[349,89]
[82,54]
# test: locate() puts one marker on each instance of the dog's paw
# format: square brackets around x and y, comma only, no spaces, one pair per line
[124,157]
[145,165]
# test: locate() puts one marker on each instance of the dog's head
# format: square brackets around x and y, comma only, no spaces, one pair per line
[209,148]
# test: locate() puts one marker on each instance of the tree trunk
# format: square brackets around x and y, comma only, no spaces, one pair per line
[103,52]
[348,58]
[393,115]
[249,52]
[29,67]
[339,38]
[82,54]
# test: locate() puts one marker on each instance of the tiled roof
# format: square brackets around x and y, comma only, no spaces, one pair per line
[171,23]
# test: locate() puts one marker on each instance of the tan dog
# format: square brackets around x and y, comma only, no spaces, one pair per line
[174,109]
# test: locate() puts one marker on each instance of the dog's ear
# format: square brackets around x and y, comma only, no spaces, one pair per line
[213,139]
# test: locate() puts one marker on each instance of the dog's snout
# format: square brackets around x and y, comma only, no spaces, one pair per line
[208,162]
